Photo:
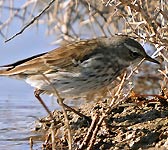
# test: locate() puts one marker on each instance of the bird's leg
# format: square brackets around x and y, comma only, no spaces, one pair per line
[37,93]
[77,112]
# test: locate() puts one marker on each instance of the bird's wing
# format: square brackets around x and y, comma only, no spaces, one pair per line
[60,58]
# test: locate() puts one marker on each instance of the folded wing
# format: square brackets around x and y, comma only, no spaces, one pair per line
[60,58]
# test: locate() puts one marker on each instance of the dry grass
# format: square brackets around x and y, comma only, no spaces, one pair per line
[145,20]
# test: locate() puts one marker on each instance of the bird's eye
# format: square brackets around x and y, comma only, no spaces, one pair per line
[134,54]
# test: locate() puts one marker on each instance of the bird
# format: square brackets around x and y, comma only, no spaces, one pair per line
[78,68]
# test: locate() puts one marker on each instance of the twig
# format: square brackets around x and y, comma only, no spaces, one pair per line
[32,21]
[88,136]
[31,143]
[134,69]
[117,94]
[97,121]
[53,136]
[47,139]
[60,101]
[93,138]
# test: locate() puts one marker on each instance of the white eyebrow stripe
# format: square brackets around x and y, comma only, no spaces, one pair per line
[134,49]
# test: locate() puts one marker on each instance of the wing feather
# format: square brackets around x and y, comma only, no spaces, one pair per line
[58,58]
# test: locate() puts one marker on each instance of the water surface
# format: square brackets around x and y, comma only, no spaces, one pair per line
[18,112]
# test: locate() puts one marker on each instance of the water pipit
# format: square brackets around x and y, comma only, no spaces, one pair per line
[79,68]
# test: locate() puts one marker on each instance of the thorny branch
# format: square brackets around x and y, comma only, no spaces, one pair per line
[32,21]
[69,20]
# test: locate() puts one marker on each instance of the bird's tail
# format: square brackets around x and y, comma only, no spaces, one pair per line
[8,72]
[4,72]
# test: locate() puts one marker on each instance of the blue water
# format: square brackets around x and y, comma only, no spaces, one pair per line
[18,108]
[18,112]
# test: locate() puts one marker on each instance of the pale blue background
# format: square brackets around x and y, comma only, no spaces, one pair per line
[18,107]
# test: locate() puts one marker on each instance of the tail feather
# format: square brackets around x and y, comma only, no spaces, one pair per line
[4,72]
[9,73]
[17,69]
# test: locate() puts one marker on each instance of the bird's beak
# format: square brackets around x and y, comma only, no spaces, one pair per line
[148,58]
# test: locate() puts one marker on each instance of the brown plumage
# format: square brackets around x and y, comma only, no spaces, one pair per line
[58,58]
[79,68]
